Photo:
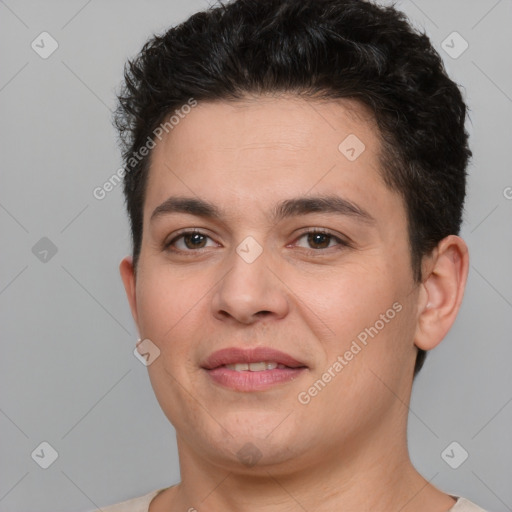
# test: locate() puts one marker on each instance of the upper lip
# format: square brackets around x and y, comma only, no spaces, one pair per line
[234,355]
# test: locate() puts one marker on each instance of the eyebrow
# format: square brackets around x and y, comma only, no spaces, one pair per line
[285,209]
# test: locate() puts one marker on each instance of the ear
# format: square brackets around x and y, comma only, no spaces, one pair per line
[441,293]
[128,276]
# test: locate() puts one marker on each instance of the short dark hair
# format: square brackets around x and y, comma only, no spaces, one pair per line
[325,49]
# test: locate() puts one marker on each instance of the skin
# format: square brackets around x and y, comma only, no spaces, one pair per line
[346,449]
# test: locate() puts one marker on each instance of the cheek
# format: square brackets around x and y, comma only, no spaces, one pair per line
[349,299]
[366,366]
[366,315]
[165,299]
[169,311]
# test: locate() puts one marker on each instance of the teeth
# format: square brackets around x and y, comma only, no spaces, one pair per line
[238,367]
[254,367]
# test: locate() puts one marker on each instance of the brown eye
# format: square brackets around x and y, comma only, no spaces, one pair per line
[189,241]
[318,240]
[194,240]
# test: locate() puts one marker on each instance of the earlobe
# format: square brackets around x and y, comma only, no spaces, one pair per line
[442,292]
[127,272]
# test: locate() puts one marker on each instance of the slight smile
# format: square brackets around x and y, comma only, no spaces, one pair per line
[254,369]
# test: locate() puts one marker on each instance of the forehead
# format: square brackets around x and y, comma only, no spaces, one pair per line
[271,123]
[253,151]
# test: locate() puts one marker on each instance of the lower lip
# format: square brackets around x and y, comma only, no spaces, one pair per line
[253,381]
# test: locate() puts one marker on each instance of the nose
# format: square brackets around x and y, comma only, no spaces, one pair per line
[250,291]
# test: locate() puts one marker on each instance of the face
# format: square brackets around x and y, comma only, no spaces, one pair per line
[266,228]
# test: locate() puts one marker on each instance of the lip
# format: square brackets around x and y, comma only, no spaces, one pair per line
[248,381]
[235,355]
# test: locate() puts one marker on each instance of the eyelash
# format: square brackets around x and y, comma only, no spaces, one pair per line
[313,231]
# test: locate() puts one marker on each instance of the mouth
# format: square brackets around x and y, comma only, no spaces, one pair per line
[253,369]
[251,359]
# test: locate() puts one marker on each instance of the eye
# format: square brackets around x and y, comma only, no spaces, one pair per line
[319,239]
[188,241]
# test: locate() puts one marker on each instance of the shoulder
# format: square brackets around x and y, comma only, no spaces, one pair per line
[464,505]
[140,504]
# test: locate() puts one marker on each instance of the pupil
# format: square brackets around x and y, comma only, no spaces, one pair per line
[319,239]
[196,240]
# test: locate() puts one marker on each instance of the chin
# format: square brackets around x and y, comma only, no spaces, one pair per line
[253,456]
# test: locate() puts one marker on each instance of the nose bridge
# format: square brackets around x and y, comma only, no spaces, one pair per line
[249,287]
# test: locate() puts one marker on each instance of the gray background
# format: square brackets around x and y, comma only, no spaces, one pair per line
[68,375]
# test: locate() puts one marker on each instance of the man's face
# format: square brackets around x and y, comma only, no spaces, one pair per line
[257,275]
